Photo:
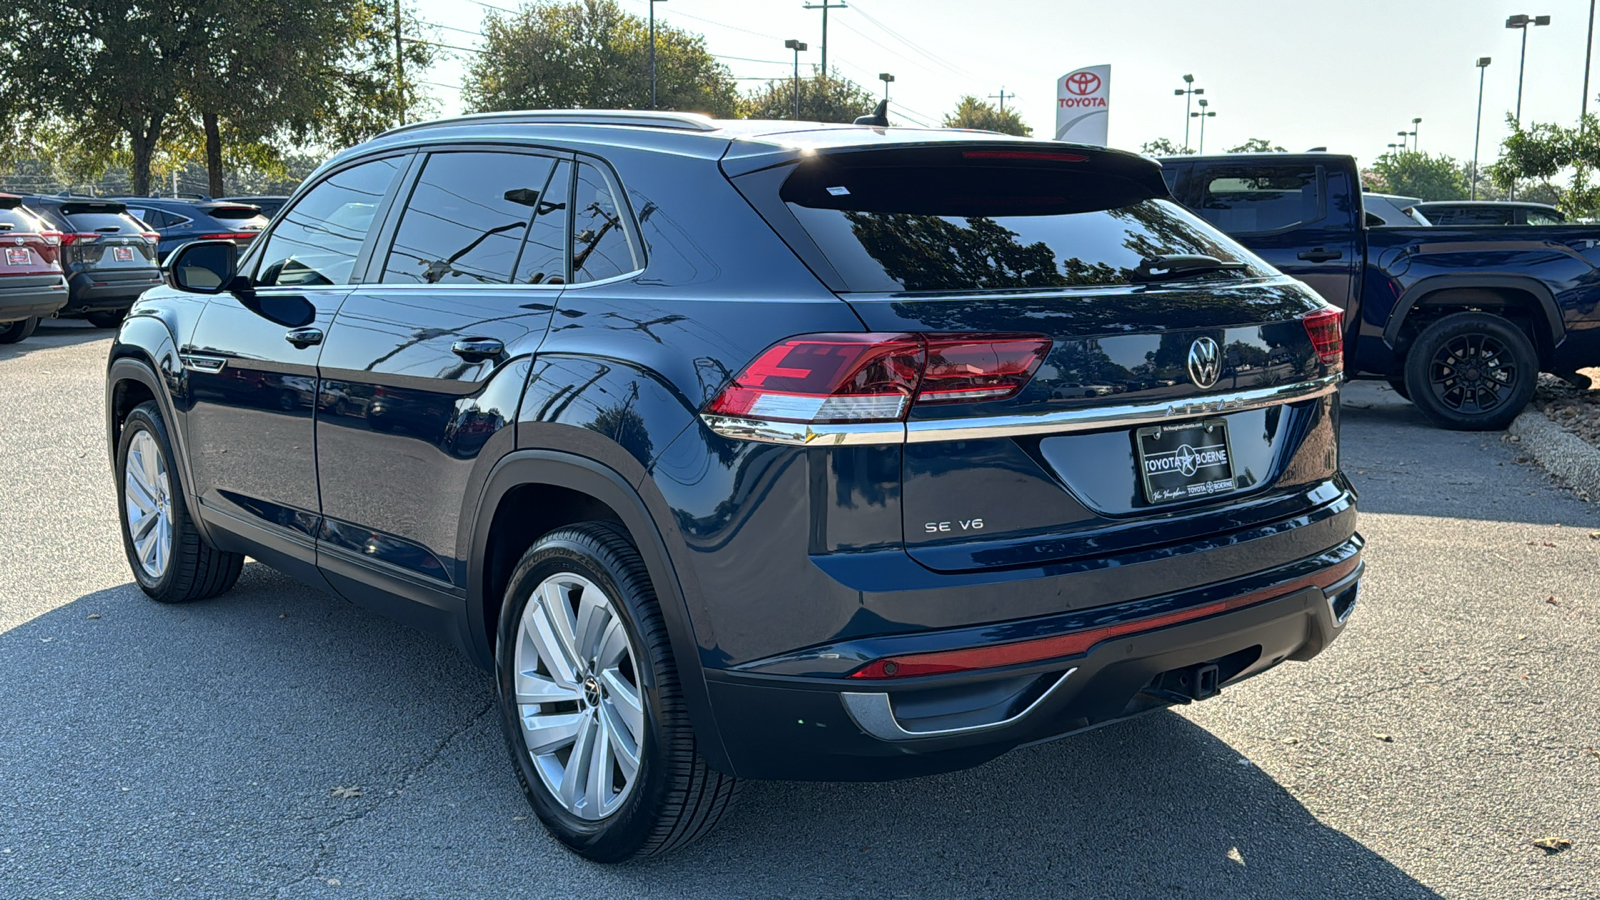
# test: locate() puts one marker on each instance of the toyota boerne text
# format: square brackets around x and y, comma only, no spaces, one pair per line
[745,449]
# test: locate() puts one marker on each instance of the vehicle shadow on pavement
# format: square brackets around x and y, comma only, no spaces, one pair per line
[54,333]
[166,750]
[1385,444]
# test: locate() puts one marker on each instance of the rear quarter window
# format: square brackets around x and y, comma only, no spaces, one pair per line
[1262,199]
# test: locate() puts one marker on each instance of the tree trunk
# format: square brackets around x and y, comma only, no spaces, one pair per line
[143,139]
[213,154]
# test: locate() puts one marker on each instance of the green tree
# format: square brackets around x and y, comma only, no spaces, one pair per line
[1544,153]
[592,55]
[122,83]
[834,98]
[1257,145]
[971,112]
[1162,147]
[1414,174]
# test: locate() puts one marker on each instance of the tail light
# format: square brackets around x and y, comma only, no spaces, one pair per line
[831,378]
[1326,329]
[82,237]
[52,238]
[230,236]
[150,236]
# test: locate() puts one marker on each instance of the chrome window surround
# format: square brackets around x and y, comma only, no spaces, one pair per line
[1128,415]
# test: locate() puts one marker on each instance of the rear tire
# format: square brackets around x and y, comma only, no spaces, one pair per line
[1472,371]
[1399,385]
[170,561]
[106,319]
[598,672]
[21,330]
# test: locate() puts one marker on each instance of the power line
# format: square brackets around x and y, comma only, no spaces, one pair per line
[892,33]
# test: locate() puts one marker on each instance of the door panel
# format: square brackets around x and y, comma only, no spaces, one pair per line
[422,370]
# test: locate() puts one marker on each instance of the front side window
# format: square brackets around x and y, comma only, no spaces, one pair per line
[1265,199]
[467,218]
[600,245]
[318,239]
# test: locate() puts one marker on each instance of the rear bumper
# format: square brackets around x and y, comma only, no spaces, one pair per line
[109,291]
[841,728]
[38,296]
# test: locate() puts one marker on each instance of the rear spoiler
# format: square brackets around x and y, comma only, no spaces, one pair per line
[74,207]
[10,201]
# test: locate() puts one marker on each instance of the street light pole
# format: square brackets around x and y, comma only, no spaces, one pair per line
[1189,92]
[1402,135]
[796,46]
[1202,115]
[1416,143]
[1524,23]
[1588,53]
[1477,134]
[653,51]
[885,77]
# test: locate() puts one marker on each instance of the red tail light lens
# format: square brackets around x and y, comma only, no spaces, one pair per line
[1326,329]
[230,236]
[53,238]
[82,237]
[150,235]
[830,378]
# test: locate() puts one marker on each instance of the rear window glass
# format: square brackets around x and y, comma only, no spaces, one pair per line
[1262,200]
[233,212]
[16,220]
[95,221]
[972,228]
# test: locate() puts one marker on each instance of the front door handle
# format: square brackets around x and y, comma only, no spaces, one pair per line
[1321,254]
[476,350]
[304,337]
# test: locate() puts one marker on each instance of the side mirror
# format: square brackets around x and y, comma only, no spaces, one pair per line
[203,267]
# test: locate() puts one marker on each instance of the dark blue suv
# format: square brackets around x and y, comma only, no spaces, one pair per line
[752,449]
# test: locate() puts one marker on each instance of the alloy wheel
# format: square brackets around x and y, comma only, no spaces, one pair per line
[1473,373]
[147,493]
[578,696]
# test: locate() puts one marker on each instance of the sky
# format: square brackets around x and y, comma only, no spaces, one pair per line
[1344,74]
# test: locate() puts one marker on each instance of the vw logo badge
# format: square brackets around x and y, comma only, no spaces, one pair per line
[1205,362]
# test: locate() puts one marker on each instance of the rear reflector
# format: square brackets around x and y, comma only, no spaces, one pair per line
[1326,329]
[832,378]
[230,236]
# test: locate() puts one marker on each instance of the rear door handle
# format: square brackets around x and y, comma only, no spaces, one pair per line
[1320,255]
[304,337]
[475,350]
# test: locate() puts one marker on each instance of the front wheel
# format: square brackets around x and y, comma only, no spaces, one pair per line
[1472,371]
[12,332]
[591,704]
[169,559]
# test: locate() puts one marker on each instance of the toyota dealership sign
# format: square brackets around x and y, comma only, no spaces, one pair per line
[1081,102]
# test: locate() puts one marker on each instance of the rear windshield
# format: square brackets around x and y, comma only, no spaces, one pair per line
[17,220]
[86,221]
[981,228]
[233,212]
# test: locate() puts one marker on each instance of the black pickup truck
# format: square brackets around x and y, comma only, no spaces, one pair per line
[1459,319]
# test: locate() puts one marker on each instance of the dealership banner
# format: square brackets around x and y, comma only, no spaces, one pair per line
[1081,105]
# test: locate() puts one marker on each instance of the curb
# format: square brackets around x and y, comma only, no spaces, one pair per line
[1561,453]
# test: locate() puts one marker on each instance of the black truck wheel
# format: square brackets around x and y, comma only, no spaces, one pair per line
[1471,371]
[12,332]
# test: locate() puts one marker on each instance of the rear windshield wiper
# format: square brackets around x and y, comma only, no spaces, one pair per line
[1179,265]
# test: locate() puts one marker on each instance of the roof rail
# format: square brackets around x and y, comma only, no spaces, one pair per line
[639,118]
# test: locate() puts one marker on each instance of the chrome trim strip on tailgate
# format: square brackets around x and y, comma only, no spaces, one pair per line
[1129,415]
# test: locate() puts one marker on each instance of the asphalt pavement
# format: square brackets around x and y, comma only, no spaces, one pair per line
[277,742]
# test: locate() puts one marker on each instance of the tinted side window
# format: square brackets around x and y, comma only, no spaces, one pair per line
[600,245]
[318,240]
[1264,199]
[544,256]
[466,219]
[1540,217]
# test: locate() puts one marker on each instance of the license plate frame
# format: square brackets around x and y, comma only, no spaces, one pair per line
[1185,461]
[19,256]
[122,254]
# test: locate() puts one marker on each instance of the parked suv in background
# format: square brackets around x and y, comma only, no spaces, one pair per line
[1491,212]
[31,284]
[179,221]
[108,256]
[269,204]
[742,449]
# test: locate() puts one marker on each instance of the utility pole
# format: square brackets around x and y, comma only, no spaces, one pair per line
[825,5]
[399,66]
[1588,54]
[653,51]
[1003,95]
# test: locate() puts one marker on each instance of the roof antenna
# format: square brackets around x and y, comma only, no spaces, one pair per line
[879,117]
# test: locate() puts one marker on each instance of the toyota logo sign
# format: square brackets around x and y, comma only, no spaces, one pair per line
[1205,363]
[1082,83]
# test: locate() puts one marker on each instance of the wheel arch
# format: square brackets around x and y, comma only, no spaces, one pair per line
[532,492]
[1496,292]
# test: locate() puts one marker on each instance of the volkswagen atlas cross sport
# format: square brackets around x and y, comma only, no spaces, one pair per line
[752,449]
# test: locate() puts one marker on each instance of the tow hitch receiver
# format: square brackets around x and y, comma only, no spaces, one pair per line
[1186,685]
